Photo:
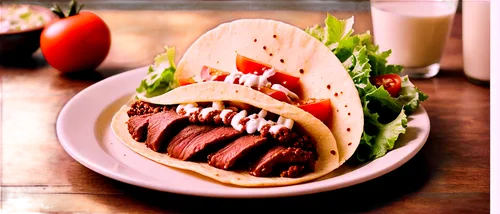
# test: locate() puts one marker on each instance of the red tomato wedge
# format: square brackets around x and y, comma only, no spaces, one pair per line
[391,83]
[278,95]
[186,81]
[212,74]
[319,108]
[247,65]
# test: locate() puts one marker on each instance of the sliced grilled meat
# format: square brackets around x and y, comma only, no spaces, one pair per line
[226,157]
[195,138]
[162,127]
[280,156]
[137,127]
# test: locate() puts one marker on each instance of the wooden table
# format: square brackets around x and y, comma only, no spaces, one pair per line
[449,175]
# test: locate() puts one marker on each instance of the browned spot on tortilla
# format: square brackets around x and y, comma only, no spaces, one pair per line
[332,152]
[264,48]
[255,40]
[348,129]
[349,144]
[337,110]
[336,94]
[328,86]
[282,61]
[274,36]
[349,113]
[236,91]
[341,92]
[301,71]
[238,178]
[346,106]
[217,62]
[216,174]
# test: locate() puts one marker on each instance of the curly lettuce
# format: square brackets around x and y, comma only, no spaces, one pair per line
[160,78]
[385,117]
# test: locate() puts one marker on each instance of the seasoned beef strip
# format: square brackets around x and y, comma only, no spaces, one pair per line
[162,127]
[194,138]
[141,108]
[286,153]
[137,127]
[293,171]
[226,157]
[281,156]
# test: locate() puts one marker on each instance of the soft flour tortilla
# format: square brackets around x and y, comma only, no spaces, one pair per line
[323,74]
[218,91]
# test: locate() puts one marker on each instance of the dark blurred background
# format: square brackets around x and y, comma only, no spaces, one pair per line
[314,5]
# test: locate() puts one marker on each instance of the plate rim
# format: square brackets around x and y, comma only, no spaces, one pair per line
[314,186]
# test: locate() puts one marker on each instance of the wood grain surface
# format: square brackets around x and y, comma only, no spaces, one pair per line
[449,175]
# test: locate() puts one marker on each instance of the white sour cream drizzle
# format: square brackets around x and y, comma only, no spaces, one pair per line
[253,80]
[290,94]
[255,123]
[188,108]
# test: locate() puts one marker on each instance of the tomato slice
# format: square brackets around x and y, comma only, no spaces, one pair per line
[212,74]
[278,95]
[247,65]
[319,108]
[186,81]
[391,83]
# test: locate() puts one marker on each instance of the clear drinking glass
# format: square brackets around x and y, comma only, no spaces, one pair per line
[415,30]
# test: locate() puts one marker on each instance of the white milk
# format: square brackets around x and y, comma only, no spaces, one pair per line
[416,32]
[476,39]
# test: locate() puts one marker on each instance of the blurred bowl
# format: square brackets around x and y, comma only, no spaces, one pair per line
[23,43]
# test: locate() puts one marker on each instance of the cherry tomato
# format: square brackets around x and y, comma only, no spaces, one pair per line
[247,65]
[391,83]
[212,74]
[278,95]
[80,41]
[319,108]
[186,81]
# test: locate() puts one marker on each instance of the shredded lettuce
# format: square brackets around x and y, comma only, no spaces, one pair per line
[160,78]
[385,116]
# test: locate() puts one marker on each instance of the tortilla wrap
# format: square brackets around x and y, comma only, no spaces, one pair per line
[288,49]
[218,91]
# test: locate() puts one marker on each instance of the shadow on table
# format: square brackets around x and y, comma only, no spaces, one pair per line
[94,75]
[27,62]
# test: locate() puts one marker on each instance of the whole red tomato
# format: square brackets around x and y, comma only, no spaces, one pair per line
[76,42]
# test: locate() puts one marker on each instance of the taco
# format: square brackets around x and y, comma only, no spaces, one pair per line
[252,102]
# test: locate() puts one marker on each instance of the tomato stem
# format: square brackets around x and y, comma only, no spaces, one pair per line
[57,10]
[73,9]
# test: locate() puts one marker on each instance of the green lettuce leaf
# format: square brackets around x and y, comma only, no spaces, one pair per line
[385,116]
[334,30]
[410,96]
[383,137]
[160,78]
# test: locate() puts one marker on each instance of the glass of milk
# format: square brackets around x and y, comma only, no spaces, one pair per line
[415,30]
[476,40]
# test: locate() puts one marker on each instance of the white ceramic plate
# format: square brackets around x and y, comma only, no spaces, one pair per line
[83,129]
